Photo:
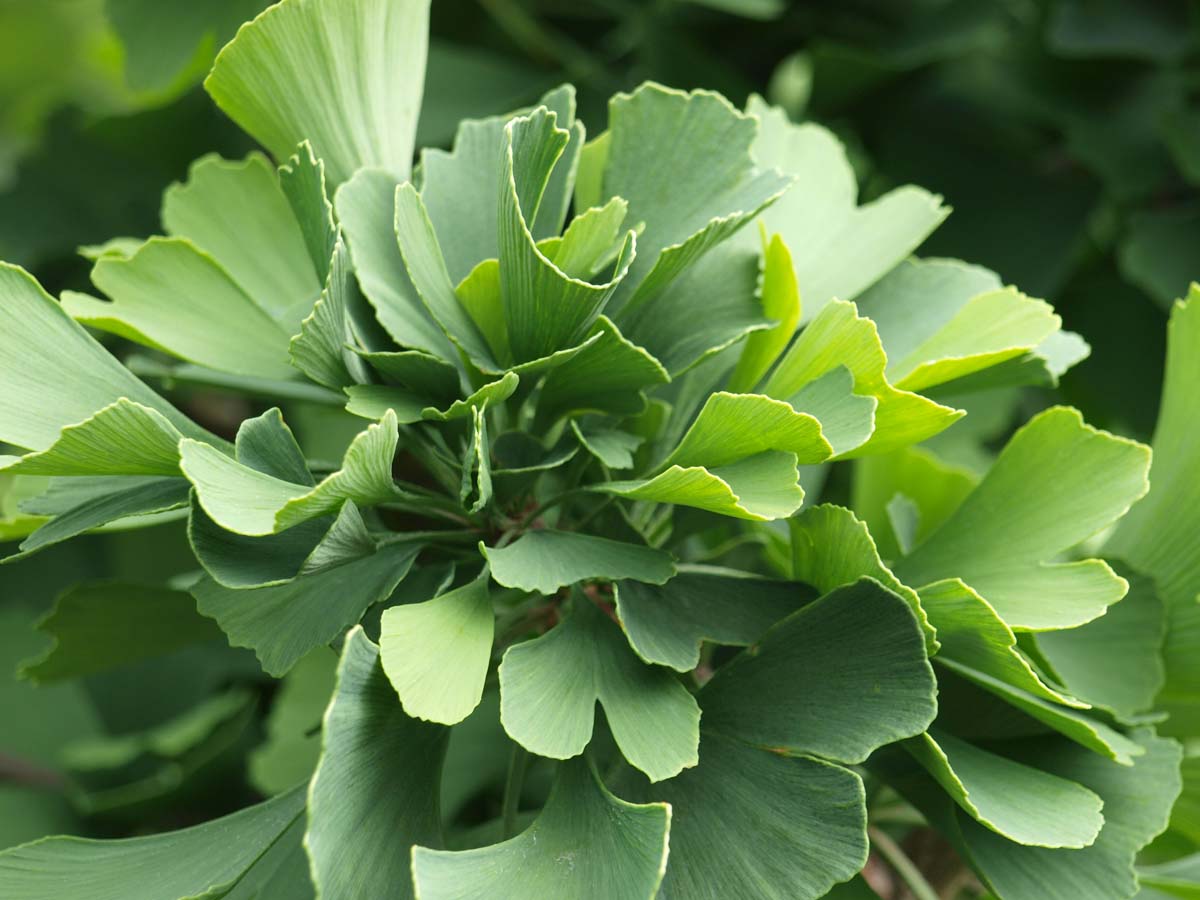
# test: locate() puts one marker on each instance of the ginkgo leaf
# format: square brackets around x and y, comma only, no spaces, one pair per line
[1045,481]
[345,74]
[613,447]
[292,746]
[780,302]
[683,163]
[319,350]
[1157,536]
[1024,804]
[283,622]
[302,179]
[366,210]
[546,307]
[375,791]
[421,373]
[123,438]
[839,336]
[374,401]
[666,624]
[586,843]
[847,418]
[248,501]
[172,296]
[266,254]
[436,653]
[216,859]
[941,320]
[475,487]
[730,427]
[544,560]
[839,248]
[102,625]
[55,374]
[549,688]
[831,546]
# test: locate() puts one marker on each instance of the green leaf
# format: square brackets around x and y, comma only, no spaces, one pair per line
[55,374]
[98,626]
[972,635]
[1021,803]
[731,427]
[1045,483]
[283,622]
[366,210]
[585,844]
[436,653]
[1137,801]
[667,624]
[266,253]
[302,179]
[609,375]
[345,74]
[940,320]
[546,306]
[1177,878]
[172,296]
[289,754]
[375,791]
[838,709]
[683,163]
[104,500]
[216,859]
[123,438]
[839,336]
[423,374]
[549,688]
[780,302]
[1114,661]
[726,842]
[374,401]
[459,187]
[839,248]
[831,547]
[934,487]
[248,501]
[847,419]
[613,447]
[1156,537]
[319,349]
[545,560]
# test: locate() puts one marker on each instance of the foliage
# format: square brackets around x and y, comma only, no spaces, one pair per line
[403,470]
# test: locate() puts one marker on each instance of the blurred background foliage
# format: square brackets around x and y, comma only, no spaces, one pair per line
[1065,134]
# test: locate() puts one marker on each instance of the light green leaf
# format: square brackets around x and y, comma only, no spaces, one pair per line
[319,350]
[731,427]
[837,708]
[1057,482]
[838,335]
[549,688]
[98,626]
[55,374]
[544,560]
[666,624]
[847,419]
[283,622]
[366,210]
[172,296]
[476,484]
[972,635]
[780,302]
[758,488]
[423,374]
[436,653]
[248,501]
[123,438]
[586,844]
[375,791]
[105,500]
[345,74]
[374,401]
[936,488]
[609,375]
[613,447]
[839,248]
[302,179]
[265,254]
[293,743]
[831,547]
[214,860]
[683,163]
[1158,536]
[1114,661]
[1021,803]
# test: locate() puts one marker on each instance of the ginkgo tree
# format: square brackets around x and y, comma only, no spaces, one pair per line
[553,606]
